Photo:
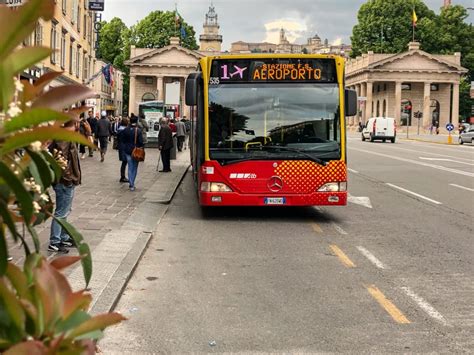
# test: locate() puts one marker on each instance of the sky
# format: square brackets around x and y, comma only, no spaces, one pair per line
[261,20]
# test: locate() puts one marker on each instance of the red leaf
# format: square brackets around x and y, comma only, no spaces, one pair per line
[64,262]
[30,347]
[63,96]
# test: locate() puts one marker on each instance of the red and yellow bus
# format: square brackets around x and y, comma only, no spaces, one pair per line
[269,130]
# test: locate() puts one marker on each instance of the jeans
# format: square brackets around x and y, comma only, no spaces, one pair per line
[132,170]
[64,197]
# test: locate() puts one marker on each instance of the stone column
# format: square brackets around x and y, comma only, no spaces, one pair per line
[455,107]
[363,104]
[132,102]
[398,101]
[426,105]
[160,88]
[368,103]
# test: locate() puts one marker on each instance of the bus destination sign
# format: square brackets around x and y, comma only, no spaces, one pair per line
[273,70]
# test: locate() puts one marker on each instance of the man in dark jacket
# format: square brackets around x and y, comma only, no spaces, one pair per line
[93,124]
[67,152]
[104,131]
[165,143]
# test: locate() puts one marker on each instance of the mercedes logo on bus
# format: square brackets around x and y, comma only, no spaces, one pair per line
[275,184]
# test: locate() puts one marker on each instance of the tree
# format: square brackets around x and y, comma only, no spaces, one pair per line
[155,31]
[385,26]
[449,33]
[111,43]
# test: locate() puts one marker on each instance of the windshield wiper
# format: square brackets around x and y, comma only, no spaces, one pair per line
[296,150]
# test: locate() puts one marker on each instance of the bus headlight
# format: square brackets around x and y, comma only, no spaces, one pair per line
[215,187]
[334,187]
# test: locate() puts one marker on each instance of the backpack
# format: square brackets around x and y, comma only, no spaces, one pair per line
[187,125]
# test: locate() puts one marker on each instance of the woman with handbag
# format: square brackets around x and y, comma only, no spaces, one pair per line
[133,148]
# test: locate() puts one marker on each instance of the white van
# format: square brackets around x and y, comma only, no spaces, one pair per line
[382,128]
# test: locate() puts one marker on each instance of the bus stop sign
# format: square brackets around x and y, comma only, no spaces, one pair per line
[450,127]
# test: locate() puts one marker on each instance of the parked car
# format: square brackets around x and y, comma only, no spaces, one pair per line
[380,128]
[467,136]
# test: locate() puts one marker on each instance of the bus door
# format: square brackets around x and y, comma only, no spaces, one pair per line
[195,99]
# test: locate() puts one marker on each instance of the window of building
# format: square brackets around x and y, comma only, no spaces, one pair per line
[406,87]
[64,6]
[78,61]
[434,87]
[148,97]
[148,80]
[79,18]
[63,49]
[71,56]
[85,26]
[385,87]
[54,43]
[85,67]
[38,34]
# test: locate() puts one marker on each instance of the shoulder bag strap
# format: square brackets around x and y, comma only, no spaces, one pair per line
[136,131]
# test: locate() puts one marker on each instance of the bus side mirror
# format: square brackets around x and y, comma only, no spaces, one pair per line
[351,102]
[192,85]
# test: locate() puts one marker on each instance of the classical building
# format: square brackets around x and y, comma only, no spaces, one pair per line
[151,69]
[400,85]
[313,45]
[211,40]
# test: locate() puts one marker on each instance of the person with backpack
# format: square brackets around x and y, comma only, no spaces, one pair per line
[187,124]
[132,138]
[143,125]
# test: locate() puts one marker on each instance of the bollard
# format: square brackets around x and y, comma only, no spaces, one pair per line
[450,138]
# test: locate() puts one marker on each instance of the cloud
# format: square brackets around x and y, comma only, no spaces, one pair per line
[294,30]
[337,42]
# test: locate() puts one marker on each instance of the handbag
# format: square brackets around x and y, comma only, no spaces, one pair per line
[138,154]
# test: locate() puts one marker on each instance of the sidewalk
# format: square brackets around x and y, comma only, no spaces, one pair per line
[116,223]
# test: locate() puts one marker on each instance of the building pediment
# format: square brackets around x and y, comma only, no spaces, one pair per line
[172,55]
[416,61]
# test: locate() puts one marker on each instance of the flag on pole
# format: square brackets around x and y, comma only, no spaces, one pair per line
[414,18]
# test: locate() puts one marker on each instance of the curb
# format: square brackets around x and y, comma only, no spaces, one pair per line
[111,294]
[426,141]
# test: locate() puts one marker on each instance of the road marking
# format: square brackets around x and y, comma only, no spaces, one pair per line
[446,159]
[316,228]
[372,258]
[462,187]
[342,256]
[353,171]
[438,167]
[363,201]
[433,313]
[339,229]
[414,194]
[430,153]
[386,304]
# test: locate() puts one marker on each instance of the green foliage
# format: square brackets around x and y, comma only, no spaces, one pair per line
[385,26]
[155,31]
[41,313]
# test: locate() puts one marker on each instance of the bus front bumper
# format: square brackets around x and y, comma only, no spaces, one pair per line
[236,199]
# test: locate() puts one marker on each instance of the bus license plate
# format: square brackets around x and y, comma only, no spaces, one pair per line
[275,200]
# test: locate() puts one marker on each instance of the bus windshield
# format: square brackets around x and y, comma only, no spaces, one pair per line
[246,119]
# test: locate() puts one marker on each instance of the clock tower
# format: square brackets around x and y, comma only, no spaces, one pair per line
[211,40]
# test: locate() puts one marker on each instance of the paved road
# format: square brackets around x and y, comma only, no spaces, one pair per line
[398,277]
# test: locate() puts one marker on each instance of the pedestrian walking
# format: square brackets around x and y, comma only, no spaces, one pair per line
[59,240]
[165,143]
[86,131]
[143,125]
[121,148]
[180,133]
[132,138]
[104,131]
[93,124]
[187,124]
